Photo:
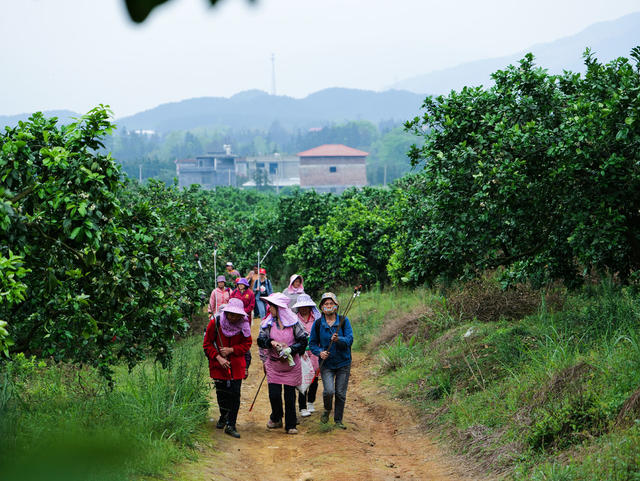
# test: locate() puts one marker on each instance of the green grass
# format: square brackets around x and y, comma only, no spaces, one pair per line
[372,309]
[544,391]
[63,422]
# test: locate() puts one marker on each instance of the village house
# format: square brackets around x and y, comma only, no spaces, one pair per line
[332,168]
[210,170]
[326,168]
[280,170]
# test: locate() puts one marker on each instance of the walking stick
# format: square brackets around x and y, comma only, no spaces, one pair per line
[356,293]
[259,283]
[260,260]
[215,261]
[256,396]
[265,255]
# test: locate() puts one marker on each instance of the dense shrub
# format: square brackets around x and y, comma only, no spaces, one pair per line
[536,173]
[350,248]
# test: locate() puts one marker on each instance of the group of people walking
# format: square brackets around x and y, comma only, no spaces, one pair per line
[293,331]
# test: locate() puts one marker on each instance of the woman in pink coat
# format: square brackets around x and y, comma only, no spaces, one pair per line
[219,296]
[284,339]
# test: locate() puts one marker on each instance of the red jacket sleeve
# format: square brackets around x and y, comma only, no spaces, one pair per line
[243,347]
[209,340]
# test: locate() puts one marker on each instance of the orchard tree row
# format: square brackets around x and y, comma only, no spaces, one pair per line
[537,176]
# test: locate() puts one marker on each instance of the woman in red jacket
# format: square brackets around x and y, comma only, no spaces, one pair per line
[227,340]
[248,299]
[245,294]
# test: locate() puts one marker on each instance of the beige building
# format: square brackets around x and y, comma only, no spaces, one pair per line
[281,170]
[332,168]
[210,170]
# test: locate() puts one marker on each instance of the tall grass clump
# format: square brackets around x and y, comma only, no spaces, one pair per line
[60,421]
[385,311]
[546,391]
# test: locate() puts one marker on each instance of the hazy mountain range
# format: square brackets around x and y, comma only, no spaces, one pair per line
[255,109]
[607,40]
[65,116]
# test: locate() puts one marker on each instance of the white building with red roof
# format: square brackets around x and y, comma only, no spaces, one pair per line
[332,168]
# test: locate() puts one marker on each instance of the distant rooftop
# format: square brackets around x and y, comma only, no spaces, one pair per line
[333,150]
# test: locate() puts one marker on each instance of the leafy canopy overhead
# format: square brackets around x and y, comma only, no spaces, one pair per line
[139,10]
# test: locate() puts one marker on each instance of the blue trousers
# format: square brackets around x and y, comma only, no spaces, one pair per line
[335,383]
[262,309]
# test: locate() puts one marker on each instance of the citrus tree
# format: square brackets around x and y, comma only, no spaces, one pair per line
[97,286]
[537,174]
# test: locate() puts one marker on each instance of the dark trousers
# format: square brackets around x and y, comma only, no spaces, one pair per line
[275,397]
[309,396]
[228,400]
[335,383]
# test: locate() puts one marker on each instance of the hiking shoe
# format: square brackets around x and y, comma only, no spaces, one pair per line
[231,431]
[273,425]
[310,408]
[305,413]
[292,431]
[221,423]
[340,425]
[325,417]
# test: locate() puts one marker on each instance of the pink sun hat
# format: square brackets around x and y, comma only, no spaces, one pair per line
[277,299]
[236,306]
[286,315]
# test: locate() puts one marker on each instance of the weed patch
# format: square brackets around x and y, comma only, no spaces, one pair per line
[61,421]
[486,301]
[523,384]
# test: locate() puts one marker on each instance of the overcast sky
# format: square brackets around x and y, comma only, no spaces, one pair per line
[75,54]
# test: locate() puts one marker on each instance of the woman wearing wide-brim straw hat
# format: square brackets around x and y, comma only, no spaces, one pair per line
[332,344]
[226,341]
[284,339]
[308,313]
[245,294]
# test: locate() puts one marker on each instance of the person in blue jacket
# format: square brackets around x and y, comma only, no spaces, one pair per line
[330,339]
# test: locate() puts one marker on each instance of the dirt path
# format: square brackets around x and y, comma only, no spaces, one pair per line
[382,442]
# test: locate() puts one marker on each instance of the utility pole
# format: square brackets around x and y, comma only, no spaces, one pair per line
[140,173]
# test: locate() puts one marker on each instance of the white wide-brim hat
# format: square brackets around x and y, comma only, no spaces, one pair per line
[304,300]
